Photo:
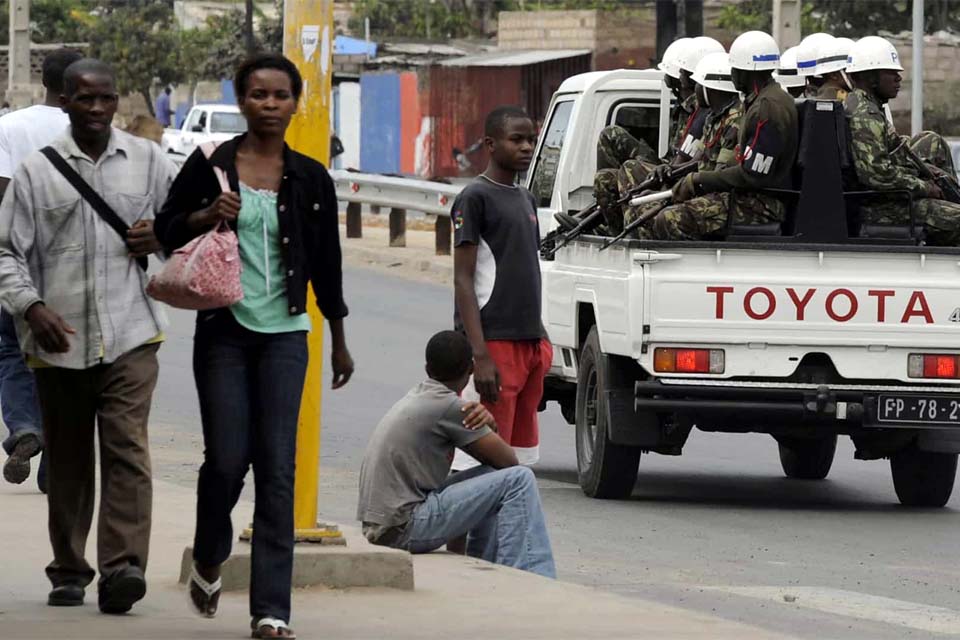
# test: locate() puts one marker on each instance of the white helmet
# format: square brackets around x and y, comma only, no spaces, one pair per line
[873,52]
[834,56]
[808,52]
[713,72]
[694,51]
[668,64]
[754,51]
[786,74]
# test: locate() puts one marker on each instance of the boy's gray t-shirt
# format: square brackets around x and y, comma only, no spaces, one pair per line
[410,452]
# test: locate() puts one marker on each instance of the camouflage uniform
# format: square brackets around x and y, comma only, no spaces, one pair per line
[873,141]
[769,137]
[721,131]
[681,116]
[621,159]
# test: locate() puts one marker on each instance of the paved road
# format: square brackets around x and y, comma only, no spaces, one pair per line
[718,529]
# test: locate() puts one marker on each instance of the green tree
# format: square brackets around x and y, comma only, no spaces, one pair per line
[142,45]
[850,18]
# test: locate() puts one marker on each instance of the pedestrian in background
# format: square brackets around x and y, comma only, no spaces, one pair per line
[250,359]
[163,107]
[21,133]
[497,282]
[76,287]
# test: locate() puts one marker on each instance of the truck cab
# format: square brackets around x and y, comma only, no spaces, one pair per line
[819,327]
[204,123]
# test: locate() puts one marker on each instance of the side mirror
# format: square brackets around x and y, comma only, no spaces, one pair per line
[198,128]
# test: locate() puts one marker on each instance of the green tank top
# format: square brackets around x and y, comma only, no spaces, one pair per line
[264,306]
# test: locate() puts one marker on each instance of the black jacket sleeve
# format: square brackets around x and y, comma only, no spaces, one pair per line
[194,188]
[326,271]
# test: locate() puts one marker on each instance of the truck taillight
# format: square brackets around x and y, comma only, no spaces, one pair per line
[670,360]
[933,365]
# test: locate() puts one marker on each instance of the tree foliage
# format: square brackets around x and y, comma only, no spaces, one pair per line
[850,18]
[141,44]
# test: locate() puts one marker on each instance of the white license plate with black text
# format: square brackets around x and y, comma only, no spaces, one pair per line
[919,409]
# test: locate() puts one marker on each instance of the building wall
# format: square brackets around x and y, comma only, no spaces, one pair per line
[941,59]
[346,124]
[547,29]
[380,123]
[410,121]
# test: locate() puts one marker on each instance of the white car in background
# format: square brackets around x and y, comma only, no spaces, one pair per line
[204,123]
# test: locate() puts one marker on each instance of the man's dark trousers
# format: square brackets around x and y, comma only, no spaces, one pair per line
[116,399]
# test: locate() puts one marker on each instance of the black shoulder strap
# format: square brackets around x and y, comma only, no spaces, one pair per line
[86,191]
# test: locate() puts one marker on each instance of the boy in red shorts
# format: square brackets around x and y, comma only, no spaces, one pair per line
[497,282]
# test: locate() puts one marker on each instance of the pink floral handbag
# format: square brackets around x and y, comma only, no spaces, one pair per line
[205,272]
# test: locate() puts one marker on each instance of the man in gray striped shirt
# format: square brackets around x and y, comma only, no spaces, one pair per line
[90,332]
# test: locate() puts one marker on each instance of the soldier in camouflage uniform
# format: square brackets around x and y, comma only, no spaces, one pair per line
[623,162]
[766,150]
[721,132]
[875,72]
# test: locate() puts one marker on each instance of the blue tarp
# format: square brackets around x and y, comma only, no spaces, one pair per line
[342,45]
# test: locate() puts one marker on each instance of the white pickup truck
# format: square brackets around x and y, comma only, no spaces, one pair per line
[818,327]
[204,123]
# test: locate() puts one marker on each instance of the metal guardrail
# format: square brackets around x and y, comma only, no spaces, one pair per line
[400,195]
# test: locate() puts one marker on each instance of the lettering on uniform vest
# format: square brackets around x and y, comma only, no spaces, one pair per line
[839,305]
[692,146]
[761,164]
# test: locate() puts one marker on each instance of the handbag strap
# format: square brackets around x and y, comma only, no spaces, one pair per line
[92,197]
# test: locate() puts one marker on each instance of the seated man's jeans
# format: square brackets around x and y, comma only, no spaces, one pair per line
[18,390]
[500,511]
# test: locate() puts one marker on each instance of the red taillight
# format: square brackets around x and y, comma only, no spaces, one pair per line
[669,360]
[933,365]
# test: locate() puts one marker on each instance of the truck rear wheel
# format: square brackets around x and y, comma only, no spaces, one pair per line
[605,469]
[923,478]
[807,459]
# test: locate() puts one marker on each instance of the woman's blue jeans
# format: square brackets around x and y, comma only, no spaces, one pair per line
[250,385]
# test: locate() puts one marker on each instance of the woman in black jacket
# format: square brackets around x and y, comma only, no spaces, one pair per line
[250,359]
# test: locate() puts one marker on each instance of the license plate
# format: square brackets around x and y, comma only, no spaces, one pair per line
[919,409]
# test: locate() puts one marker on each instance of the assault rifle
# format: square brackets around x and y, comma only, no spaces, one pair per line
[573,226]
[951,192]
[661,196]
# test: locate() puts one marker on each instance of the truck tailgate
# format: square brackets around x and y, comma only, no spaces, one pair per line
[766,297]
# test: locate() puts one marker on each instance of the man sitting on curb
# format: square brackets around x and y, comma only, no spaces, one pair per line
[407,501]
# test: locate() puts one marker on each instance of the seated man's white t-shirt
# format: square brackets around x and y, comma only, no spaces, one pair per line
[27,130]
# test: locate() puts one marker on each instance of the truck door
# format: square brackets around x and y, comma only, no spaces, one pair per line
[545,166]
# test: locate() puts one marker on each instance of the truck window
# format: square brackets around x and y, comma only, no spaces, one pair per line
[640,119]
[227,123]
[545,171]
[194,119]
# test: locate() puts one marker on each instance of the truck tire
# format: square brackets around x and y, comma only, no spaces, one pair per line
[605,469]
[923,478]
[807,459]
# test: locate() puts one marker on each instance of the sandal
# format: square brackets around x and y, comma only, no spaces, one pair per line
[204,596]
[272,628]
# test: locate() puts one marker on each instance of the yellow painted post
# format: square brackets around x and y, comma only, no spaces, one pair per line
[308,42]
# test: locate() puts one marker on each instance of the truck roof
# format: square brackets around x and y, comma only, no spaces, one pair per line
[216,106]
[636,79]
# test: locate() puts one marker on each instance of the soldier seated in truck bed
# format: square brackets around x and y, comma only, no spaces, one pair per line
[880,163]
[768,145]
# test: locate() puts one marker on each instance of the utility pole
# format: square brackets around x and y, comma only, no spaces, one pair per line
[786,23]
[19,91]
[677,19]
[248,42]
[916,72]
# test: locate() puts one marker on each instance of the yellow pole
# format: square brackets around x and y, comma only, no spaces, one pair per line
[308,42]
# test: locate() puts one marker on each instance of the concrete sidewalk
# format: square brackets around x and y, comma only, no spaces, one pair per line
[455,597]
[417,261]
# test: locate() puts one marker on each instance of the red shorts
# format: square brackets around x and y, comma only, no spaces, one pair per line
[522,366]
